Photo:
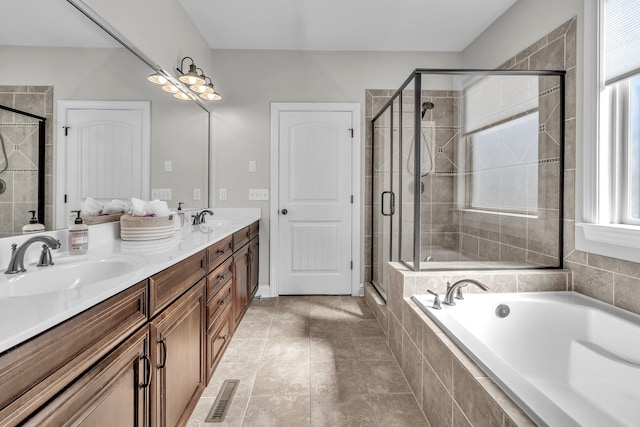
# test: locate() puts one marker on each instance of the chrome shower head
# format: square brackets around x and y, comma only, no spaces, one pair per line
[427,106]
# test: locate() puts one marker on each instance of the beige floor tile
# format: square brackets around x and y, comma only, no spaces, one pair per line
[329,328]
[245,372]
[326,312]
[346,411]
[331,348]
[233,418]
[341,377]
[285,350]
[356,308]
[264,302]
[373,348]
[278,411]
[248,329]
[200,412]
[397,410]
[243,350]
[366,328]
[277,379]
[325,301]
[384,377]
[283,328]
[259,314]
[291,313]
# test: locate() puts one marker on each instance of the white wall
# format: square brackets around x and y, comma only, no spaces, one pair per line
[520,26]
[159,28]
[179,129]
[250,80]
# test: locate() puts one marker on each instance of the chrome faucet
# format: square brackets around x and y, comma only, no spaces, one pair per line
[16,264]
[199,218]
[455,289]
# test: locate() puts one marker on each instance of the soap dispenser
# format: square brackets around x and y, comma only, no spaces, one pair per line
[33,226]
[181,218]
[78,236]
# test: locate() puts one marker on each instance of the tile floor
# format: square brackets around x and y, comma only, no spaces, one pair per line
[311,361]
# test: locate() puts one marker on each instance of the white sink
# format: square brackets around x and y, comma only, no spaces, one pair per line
[214,224]
[69,273]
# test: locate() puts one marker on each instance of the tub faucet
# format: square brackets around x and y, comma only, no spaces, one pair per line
[453,289]
[199,218]
[16,264]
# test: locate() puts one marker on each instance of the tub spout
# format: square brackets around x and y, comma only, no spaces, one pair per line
[451,289]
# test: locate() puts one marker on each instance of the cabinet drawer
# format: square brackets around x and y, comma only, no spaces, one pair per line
[240,238]
[254,230]
[217,340]
[43,366]
[218,304]
[218,278]
[169,284]
[219,251]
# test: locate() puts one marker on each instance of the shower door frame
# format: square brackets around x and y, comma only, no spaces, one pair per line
[41,156]
[417,75]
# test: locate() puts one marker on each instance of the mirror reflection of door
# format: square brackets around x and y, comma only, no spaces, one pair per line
[103,153]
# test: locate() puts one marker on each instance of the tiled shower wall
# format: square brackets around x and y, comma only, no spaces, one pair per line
[21,143]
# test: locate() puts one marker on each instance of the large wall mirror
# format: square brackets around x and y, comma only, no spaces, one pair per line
[51,52]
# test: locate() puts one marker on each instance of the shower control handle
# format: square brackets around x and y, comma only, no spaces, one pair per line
[284,211]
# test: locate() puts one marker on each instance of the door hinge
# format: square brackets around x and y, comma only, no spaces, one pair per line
[65,198]
[352,199]
[351,130]
[66,130]
[351,265]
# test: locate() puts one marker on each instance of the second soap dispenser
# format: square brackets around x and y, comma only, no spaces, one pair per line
[33,226]
[78,236]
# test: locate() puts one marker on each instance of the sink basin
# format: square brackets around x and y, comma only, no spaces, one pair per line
[221,222]
[66,274]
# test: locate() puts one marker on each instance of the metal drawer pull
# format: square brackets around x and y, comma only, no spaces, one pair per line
[222,302]
[221,251]
[220,276]
[164,354]
[224,337]
[147,371]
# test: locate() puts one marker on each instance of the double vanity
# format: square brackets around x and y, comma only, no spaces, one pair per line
[128,334]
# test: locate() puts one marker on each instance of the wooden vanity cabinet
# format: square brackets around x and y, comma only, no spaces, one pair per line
[112,393]
[177,358]
[254,253]
[245,269]
[35,371]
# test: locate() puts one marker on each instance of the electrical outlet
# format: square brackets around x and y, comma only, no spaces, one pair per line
[196,194]
[161,193]
[258,194]
[168,166]
[252,165]
[223,194]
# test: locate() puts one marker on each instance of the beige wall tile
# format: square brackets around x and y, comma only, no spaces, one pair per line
[627,293]
[412,366]
[437,403]
[592,282]
[474,401]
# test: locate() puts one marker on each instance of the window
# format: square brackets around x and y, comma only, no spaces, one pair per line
[611,166]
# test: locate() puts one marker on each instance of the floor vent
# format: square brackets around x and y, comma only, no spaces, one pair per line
[223,401]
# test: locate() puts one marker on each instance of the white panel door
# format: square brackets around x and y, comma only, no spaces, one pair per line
[315,203]
[106,154]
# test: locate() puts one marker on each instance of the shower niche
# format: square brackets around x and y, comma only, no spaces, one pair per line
[466,172]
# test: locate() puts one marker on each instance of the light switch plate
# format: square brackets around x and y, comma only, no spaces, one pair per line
[196,194]
[252,165]
[168,166]
[223,194]
[161,193]
[258,194]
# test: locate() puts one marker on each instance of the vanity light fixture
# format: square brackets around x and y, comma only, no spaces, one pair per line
[181,95]
[171,88]
[210,95]
[191,77]
[158,79]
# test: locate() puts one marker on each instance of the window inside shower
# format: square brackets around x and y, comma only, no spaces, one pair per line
[467,171]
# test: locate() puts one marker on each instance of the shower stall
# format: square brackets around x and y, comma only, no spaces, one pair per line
[467,172]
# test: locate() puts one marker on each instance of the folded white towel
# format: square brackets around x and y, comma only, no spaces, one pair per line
[91,207]
[116,207]
[153,207]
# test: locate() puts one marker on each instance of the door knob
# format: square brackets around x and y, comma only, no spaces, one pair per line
[284,211]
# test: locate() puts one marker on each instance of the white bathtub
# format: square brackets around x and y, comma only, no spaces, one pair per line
[566,359]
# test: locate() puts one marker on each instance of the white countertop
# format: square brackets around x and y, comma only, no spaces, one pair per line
[24,317]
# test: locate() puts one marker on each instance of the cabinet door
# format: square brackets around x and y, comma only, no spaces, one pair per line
[177,358]
[115,392]
[240,278]
[254,251]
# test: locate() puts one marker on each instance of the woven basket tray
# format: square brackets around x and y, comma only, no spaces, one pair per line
[146,228]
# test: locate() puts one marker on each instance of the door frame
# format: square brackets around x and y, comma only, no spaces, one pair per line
[356,150]
[60,184]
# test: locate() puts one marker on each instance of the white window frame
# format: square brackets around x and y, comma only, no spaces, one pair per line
[598,226]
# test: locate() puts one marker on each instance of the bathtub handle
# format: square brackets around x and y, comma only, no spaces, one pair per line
[436,300]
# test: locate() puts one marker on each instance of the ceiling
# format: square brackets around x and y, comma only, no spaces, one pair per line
[344,25]
[335,25]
